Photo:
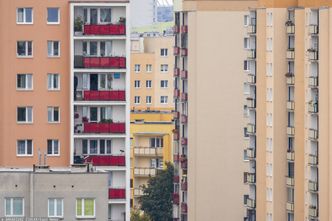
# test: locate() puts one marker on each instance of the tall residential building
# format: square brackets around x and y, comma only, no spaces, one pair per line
[151,148]
[152,73]
[65,91]
[208,145]
[288,109]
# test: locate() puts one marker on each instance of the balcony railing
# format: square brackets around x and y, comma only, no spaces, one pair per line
[313,54]
[184,52]
[184,185]
[119,95]
[313,107]
[251,128]
[176,115]
[176,29]
[313,211]
[249,178]
[184,141]
[176,50]
[176,72]
[313,159]
[313,134]
[251,203]
[104,128]
[251,54]
[313,186]
[251,79]
[176,179]
[290,29]
[184,28]
[313,29]
[99,62]
[290,53]
[184,163]
[114,193]
[184,119]
[108,29]
[138,192]
[184,97]
[176,135]
[104,160]
[290,105]
[251,153]
[176,198]
[184,208]
[290,206]
[251,102]
[176,157]
[251,29]
[313,81]
[290,78]
[290,181]
[290,131]
[184,74]
[148,151]
[290,155]
[145,171]
[176,93]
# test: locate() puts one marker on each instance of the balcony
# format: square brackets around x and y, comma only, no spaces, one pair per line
[176,72]
[108,29]
[313,29]
[184,141]
[251,54]
[99,62]
[251,102]
[115,193]
[148,151]
[176,29]
[184,28]
[290,78]
[144,171]
[176,135]
[251,153]
[176,115]
[313,134]
[290,131]
[251,128]
[313,160]
[313,82]
[290,206]
[104,160]
[119,95]
[184,97]
[313,186]
[104,128]
[138,192]
[184,185]
[184,52]
[290,155]
[251,79]
[184,208]
[290,105]
[176,157]
[313,211]
[249,178]
[251,203]
[176,198]
[312,54]
[290,27]
[290,54]
[176,179]
[184,119]
[251,29]
[290,181]
[176,51]
[176,93]
[184,162]
[313,107]
[184,75]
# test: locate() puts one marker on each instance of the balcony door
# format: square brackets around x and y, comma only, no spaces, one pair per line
[93,16]
[94,82]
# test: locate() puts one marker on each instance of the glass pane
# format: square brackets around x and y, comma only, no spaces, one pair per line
[21,48]
[51,205]
[29,147]
[20,15]
[21,111]
[49,147]
[93,146]
[28,15]
[55,81]
[93,16]
[89,207]
[102,146]
[29,48]
[29,109]
[85,46]
[20,147]
[49,114]
[93,114]
[109,146]
[105,15]
[102,114]
[17,206]
[56,114]
[102,81]
[59,207]
[85,146]
[108,48]
[28,83]
[102,48]
[8,207]
[49,48]
[56,146]
[93,48]
[56,48]
[79,207]
[52,15]
[49,81]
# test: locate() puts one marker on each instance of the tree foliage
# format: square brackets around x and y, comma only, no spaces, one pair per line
[137,215]
[157,198]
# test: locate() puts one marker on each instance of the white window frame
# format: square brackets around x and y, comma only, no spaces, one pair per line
[52,75]
[164,52]
[162,99]
[12,208]
[148,68]
[163,83]
[26,115]
[26,148]
[246,43]
[26,42]
[59,18]
[24,16]
[53,141]
[52,108]
[83,207]
[137,84]
[137,99]
[246,19]
[55,207]
[26,82]
[164,68]
[148,99]
[137,68]
[52,49]
[148,83]
[98,147]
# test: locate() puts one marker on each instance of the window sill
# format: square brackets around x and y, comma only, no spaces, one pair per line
[24,23]
[24,57]
[24,155]
[24,90]
[58,122]
[53,23]
[54,155]
[23,123]
[53,90]
[53,56]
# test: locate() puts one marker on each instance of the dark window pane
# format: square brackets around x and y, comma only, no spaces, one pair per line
[52,15]
[21,114]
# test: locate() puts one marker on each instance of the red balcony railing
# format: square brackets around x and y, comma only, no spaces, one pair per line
[184,141]
[104,95]
[184,28]
[176,29]
[184,96]
[184,185]
[184,208]
[176,72]
[184,163]
[184,119]
[176,93]
[184,74]
[176,198]
[104,62]
[176,50]
[176,115]
[110,29]
[176,157]
[104,127]
[103,160]
[184,51]
[116,193]
[176,135]
[176,179]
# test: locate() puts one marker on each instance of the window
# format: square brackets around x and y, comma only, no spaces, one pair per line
[269,44]
[53,48]
[53,81]
[246,20]
[269,217]
[156,163]
[269,169]
[245,155]
[100,147]
[24,16]
[269,94]
[55,207]
[24,48]
[137,68]
[269,69]
[137,99]
[163,99]
[164,52]
[24,114]
[246,65]
[269,194]
[164,83]
[137,84]
[53,114]
[246,43]
[269,144]
[85,207]
[53,147]
[164,68]
[24,148]
[24,81]
[53,16]
[14,206]
[269,19]
[149,68]
[148,84]
[269,120]
[148,99]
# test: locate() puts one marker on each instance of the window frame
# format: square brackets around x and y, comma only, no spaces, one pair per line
[51,75]
[161,99]
[53,154]
[52,120]
[52,49]
[26,148]
[26,115]
[148,70]
[55,207]
[163,83]
[137,98]
[59,16]
[83,208]
[137,68]
[148,83]
[26,49]
[137,84]
[12,208]
[26,82]
[164,52]
[164,70]
[24,16]
[150,99]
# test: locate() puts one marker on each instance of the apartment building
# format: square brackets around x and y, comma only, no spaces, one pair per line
[151,147]
[208,145]
[287,109]
[65,89]
[152,73]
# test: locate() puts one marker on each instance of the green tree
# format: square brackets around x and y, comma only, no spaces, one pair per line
[137,215]
[157,198]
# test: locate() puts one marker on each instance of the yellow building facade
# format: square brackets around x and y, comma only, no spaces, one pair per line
[151,148]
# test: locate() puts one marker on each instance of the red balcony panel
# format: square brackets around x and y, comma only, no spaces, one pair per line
[176,157]
[117,128]
[104,127]
[116,193]
[184,119]
[104,62]
[176,135]
[184,208]
[184,96]
[176,115]
[176,198]
[176,93]
[184,186]
[110,29]
[184,74]
[184,141]
[117,95]
[176,179]
[184,28]
[106,160]
[184,163]
[176,29]
[176,51]
[176,72]
[184,51]
[104,95]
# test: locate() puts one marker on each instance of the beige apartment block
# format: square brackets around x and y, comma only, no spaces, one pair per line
[152,73]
